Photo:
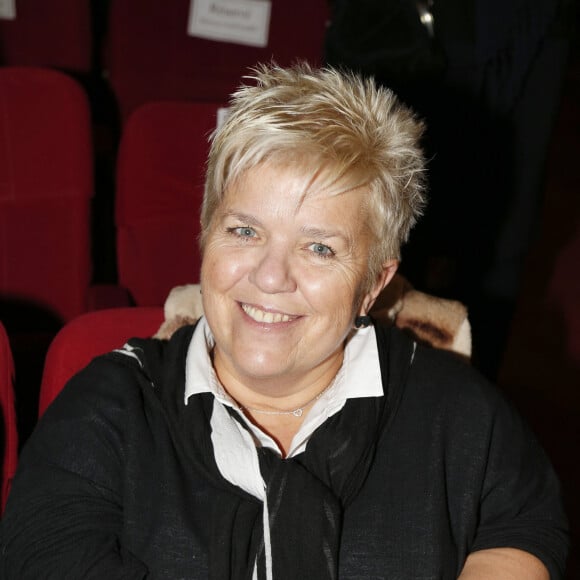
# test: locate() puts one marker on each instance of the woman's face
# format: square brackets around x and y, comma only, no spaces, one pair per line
[284,265]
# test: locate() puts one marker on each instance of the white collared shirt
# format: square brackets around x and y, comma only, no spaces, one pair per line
[359,376]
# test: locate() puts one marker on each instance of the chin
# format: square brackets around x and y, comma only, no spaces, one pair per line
[259,370]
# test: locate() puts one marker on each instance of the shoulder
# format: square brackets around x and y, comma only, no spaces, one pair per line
[111,406]
[121,379]
[441,383]
[433,367]
[447,403]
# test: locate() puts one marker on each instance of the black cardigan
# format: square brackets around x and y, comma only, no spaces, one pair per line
[105,487]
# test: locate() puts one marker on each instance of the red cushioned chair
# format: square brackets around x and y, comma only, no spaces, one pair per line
[55,33]
[160,177]
[46,184]
[10,442]
[151,57]
[88,336]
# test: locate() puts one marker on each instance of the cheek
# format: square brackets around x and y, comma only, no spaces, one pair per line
[336,292]
[221,269]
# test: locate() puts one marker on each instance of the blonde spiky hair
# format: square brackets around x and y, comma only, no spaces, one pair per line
[326,117]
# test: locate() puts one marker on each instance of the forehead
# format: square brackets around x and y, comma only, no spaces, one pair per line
[295,183]
[288,201]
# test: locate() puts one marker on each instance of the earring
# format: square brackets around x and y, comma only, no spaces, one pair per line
[362,321]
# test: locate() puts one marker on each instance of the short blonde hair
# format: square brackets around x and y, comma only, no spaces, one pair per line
[339,119]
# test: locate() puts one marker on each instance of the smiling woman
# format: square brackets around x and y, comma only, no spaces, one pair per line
[285,435]
[283,278]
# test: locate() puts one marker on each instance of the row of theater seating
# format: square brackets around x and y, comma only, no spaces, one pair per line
[143,47]
[46,185]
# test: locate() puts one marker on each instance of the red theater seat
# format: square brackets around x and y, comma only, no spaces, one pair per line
[9,430]
[88,336]
[46,184]
[55,33]
[151,57]
[160,180]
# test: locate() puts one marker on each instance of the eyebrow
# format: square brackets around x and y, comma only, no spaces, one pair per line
[319,233]
[244,218]
[313,232]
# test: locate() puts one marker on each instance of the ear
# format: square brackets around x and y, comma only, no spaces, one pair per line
[385,276]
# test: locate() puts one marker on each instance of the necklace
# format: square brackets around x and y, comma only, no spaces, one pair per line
[296,412]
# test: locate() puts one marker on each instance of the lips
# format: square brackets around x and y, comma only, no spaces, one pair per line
[266,317]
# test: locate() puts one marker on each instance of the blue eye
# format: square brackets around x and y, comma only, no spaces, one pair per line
[243,232]
[322,250]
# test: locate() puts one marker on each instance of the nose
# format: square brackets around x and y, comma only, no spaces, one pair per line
[272,272]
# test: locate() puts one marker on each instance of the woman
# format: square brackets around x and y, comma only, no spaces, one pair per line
[284,436]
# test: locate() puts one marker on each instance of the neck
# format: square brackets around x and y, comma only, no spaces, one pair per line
[297,412]
[277,405]
[276,393]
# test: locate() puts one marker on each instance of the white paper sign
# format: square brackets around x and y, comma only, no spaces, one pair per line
[8,9]
[239,21]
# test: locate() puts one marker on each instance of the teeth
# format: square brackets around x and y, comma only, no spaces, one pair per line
[267,317]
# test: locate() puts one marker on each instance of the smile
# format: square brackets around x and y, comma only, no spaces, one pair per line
[266,317]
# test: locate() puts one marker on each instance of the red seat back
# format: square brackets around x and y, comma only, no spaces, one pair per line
[87,336]
[9,428]
[150,55]
[55,33]
[46,184]
[160,180]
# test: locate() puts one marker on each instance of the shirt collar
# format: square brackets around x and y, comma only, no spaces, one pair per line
[358,377]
